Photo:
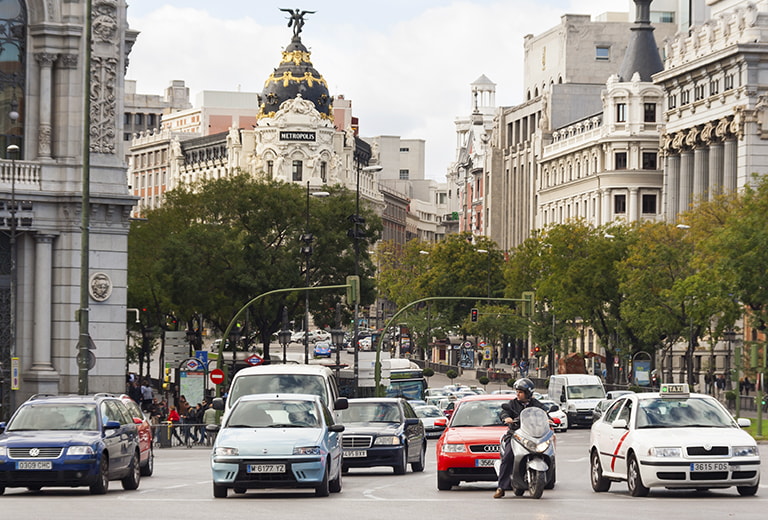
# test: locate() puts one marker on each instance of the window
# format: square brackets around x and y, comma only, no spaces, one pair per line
[714,87]
[620,159]
[728,82]
[602,53]
[151,120]
[404,175]
[297,171]
[270,168]
[621,112]
[126,118]
[649,161]
[662,17]
[127,136]
[323,170]
[138,119]
[649,204]
[620,204]
[698,92]
[405,149]
[649,112]
[685,97]
[673,101]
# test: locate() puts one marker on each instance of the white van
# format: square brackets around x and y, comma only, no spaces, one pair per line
[577,394]
[284,379]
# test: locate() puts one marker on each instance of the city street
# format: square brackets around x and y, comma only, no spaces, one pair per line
[181,488]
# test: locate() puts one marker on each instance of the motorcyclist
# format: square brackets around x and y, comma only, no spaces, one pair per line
[524,390]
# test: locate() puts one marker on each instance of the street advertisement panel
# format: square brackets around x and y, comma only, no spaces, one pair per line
[642,375]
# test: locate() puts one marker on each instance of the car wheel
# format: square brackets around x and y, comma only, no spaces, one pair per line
[219,491]
[335,484]
[131,481]
[344,469]
[419,464]
[239,491]
[2,490]
[149,466]
[444,483]
[634,480]
[400,467]
[745,491]
[600,484]
[323,490]
[34,488]
[101,486]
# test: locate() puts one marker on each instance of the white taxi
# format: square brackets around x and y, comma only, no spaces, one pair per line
[672,439]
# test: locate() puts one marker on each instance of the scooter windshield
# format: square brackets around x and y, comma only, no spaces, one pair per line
[534,422]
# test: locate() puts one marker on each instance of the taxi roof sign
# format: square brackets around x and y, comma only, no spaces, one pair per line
[674,390]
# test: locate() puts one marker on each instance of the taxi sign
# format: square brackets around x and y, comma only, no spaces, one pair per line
[675,390]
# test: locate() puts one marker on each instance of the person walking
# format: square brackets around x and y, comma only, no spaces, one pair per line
[174,418]
[210,418]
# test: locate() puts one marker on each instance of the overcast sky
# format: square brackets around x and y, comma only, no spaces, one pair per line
[405,65]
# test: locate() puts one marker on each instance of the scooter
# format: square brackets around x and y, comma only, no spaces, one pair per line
[533,446]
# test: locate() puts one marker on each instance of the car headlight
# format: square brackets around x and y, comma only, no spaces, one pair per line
[3,451]
[225,452]
[745,451]
[307,450]
[80,450]
[572,407]
[665,452]
[387,440]
[453,448]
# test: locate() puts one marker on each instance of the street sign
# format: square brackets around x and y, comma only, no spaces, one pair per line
[254,360]
[192,364]
[217,376]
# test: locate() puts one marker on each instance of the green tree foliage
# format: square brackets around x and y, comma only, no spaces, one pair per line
[214,246]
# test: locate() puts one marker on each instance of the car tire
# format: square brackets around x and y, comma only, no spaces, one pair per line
[34,489]
[418,466]
[219,491]
[745,491]
[132,480]
[149,466]
[335,485]
[600,484]
[401,466]
[344,469]
[101,486]
[634,480]
[324,489]
[2,490]
[444,483]
[239,491]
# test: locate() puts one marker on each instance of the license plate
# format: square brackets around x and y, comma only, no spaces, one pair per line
[34,464]
[484,463]
[354,454]
[710,466]
[266,468]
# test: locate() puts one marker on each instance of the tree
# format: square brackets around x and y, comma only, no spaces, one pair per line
[483,380]
[451,374]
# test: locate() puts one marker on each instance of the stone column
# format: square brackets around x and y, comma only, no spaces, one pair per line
[715,169]
[700,173]
[686,181]
[633,206]
[729,165]
[45,60]
[41,348]
[605,216]
[672,185]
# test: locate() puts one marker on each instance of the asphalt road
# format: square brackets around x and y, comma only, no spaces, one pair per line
[181,488]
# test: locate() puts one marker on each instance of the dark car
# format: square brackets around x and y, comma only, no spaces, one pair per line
[70,441]
[382,432]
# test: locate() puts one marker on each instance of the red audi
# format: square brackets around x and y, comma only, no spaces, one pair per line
[469,446]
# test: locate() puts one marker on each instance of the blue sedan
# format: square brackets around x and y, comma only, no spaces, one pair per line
[269,441]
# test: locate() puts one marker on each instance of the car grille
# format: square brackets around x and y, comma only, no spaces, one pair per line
[356,441]
[484,448]
[698,451]
[44,453]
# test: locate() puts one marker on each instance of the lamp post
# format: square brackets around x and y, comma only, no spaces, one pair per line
[356,234]
[7,402]
[308,238]
[337,338]
[284,336]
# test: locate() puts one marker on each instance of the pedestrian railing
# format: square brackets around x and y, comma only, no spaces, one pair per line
[167,434]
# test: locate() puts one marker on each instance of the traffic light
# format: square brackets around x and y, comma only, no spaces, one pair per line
[527,306]
[167,379]
[537,350]
[473,315]
[353,289]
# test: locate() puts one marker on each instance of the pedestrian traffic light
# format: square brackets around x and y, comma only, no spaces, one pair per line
[473,315]
[167,379]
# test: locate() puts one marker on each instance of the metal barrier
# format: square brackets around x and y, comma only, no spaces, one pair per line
[167,434]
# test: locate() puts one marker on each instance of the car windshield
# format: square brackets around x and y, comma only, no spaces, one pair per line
[54,416]
[371,412]
[586,392]
[428,411]
[693,412]
[478,413]
[273,414]
[278,384]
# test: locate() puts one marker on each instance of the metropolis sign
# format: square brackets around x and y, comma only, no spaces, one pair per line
[297,136]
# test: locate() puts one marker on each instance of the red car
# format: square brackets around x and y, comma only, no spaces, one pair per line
[469,446]
[147,455]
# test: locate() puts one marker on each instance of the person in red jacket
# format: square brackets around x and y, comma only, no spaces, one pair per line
[174,419]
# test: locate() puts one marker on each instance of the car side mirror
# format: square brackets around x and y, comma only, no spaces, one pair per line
[338,428]
[112,425]
[553,408]
[562,398]
[218,403]
[743,422]
[341,403]
[619,424]
[412,421]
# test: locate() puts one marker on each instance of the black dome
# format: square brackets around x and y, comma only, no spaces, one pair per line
[295,75]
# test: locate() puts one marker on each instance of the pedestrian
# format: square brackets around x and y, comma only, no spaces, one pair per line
[174,418]
[719,384]
[146,395]
[134,391]
[747,385]
[210,418]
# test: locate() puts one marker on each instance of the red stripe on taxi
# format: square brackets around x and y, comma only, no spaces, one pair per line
[616,451]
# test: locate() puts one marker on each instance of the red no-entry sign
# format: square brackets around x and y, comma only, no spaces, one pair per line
[217,376]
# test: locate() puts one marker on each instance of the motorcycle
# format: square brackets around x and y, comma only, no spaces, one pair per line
[533,446]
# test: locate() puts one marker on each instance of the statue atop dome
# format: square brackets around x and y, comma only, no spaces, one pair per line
[296,20]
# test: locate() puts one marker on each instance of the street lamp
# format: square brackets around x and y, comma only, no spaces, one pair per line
[284,336]
[337,338]
[356,234]
[307,238]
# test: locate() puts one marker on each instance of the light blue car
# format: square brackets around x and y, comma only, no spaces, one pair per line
[270,441]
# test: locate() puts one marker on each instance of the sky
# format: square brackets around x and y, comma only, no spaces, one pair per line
[406,66]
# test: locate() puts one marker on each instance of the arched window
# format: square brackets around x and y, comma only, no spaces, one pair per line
[13,21]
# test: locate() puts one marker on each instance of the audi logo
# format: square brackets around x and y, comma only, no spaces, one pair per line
[491,447]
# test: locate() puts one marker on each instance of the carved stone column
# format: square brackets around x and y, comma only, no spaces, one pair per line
[633,206]
[686,181]
[41,347]
[45,60]
[729,165]
[605,203]
[672,185]
[715,169]
[700,172]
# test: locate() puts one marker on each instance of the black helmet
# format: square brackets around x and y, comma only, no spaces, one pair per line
[526,385]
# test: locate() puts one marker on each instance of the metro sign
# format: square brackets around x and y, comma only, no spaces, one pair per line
[254,360]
